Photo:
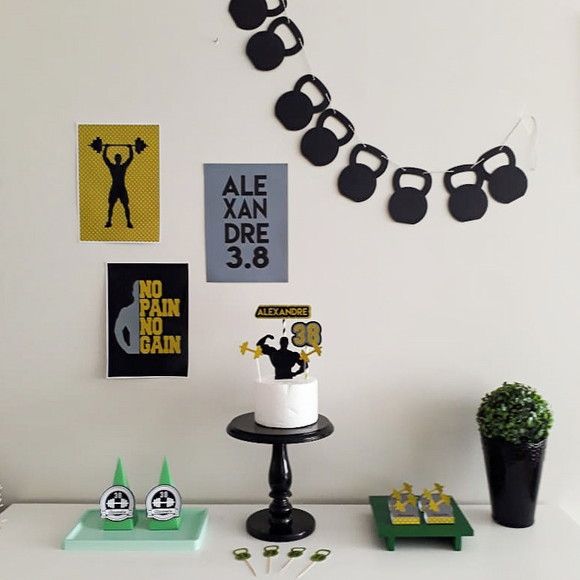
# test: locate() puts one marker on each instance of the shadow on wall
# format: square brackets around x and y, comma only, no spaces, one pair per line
[2,507]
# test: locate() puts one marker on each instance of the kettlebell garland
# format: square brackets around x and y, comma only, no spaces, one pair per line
[357,182]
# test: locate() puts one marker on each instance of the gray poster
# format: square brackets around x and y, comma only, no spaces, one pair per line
[246,222]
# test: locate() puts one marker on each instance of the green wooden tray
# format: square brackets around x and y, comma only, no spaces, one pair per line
[88,534]
[389,531]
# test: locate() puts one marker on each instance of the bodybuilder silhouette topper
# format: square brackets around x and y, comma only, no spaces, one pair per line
[287,363]
[283,359]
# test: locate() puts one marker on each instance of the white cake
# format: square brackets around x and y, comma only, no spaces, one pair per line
[286,403]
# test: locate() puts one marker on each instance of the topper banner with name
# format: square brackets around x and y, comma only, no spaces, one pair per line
[283,311]
[246,222]
[147,314]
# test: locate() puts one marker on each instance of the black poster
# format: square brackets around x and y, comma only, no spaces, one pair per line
[147,314]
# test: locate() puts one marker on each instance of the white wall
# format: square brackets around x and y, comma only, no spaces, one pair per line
[419,321]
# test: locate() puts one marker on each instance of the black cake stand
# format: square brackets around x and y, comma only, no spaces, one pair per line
[280,522]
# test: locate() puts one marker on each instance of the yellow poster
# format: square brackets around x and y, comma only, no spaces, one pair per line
[118,180]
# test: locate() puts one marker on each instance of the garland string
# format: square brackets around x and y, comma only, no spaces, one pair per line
[533,132]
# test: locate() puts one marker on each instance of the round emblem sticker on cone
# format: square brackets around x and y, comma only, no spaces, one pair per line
[117,504]
[163,503]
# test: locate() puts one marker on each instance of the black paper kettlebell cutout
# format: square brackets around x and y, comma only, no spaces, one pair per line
[408,205]
[467,202]
[320,145]
[251,14]
[358,181]
[506,183]
[295,110]
[266,49]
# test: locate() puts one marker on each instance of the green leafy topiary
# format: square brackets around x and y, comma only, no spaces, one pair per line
[516,413]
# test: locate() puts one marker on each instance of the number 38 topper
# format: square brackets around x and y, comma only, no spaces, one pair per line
[307,334]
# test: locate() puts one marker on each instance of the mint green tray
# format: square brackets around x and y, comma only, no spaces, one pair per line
[88,534]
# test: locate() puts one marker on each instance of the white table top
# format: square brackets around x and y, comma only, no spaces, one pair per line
[549,549]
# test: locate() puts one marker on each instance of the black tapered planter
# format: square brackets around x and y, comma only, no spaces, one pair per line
[513,475]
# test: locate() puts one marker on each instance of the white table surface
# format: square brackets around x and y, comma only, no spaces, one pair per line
[30,549]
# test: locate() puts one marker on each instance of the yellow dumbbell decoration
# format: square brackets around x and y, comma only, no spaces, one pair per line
[305,356]
[244,348]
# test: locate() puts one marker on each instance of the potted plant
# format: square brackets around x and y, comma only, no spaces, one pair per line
[514,421]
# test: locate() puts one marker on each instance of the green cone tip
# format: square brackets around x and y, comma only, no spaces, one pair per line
[120,477]
[165,477]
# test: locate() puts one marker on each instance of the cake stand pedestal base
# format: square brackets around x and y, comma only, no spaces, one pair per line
[261,526]
[280,522]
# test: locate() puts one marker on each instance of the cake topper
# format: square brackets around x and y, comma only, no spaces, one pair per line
[307,334]
[118,503]
[287,362]
[244,348]
[283,359]
[283,311]
[305,356]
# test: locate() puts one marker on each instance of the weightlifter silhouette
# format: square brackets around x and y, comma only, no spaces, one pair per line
[127,324]
[283,359]
[118,189]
